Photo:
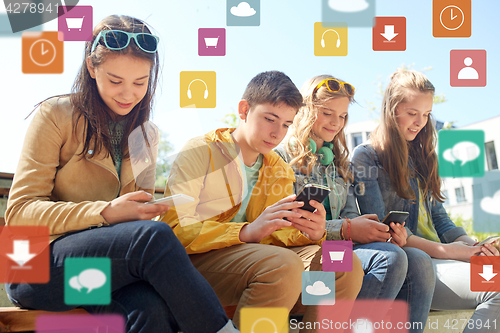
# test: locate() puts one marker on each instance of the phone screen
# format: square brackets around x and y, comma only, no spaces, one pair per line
[396,217]
[312,192]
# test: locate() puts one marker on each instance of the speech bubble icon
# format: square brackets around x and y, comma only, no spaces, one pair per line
[92,279]
[464,151]
[73,282]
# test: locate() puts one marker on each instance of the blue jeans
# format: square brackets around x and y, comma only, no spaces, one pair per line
[153,283]
[392,272]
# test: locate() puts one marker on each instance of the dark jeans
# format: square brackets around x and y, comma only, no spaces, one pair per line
[153,283]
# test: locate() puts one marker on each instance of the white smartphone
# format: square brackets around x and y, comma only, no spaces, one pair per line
[174,200]
[488,240]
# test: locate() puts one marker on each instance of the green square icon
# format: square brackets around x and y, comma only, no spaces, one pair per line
[461,153]
[87,281]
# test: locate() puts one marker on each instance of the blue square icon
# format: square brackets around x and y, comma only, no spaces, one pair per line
[243,13]
[356,13]
[318,288]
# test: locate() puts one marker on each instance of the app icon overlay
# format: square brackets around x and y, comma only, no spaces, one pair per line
[330,39]
[87,281]
[451,18]
[486,202]
[337,256]
[356,13]
[110,323]
[264,320]
[197,89]
[212,42]
[484,273]
[461,153]
[42,53]
[318,288]
[75,24]
[24,254]
[389,34]
[468,68]
[243,13]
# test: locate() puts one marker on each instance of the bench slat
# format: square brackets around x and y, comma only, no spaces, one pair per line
[19,320]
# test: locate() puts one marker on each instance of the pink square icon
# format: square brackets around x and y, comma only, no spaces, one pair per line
[75,22]
[337,256]
[468,68]
[212,42]
[85,323]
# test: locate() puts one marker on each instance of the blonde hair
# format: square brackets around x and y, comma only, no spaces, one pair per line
[297,143]
[394,151]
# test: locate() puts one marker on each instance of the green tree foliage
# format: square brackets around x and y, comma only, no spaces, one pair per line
[163,164]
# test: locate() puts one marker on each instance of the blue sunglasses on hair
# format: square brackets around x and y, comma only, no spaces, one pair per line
[118,40]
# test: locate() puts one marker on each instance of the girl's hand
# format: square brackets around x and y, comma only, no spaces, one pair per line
[270,220]
[311,224]
[131,207]
[461,251]
[489,250]
[398,234]
[367,229]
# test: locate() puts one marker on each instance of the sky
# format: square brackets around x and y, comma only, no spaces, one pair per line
[283,41]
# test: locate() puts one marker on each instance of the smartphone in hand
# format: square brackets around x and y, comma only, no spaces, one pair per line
[396,217]
[312,192]
[173,200]
[488,240]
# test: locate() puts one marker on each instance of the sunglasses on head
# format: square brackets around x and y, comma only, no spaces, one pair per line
[335,85]
[118,40]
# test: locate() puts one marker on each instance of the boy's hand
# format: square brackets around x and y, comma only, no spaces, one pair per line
[131,207]
[270,220]
[311,224]
[367,229]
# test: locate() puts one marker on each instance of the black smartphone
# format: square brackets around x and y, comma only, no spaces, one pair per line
[312,192]
[396,217]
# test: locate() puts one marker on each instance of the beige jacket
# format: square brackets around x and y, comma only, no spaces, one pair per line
[55,187]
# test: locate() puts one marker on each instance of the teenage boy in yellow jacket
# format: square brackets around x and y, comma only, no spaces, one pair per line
[243,191]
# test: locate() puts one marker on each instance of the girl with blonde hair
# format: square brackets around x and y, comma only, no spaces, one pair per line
[317,151]
[399,171]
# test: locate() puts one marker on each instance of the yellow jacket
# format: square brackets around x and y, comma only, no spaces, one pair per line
[208,170]
[55,187]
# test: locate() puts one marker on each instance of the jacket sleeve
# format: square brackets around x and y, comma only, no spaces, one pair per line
[197,230]
[366,187]
[445,228]
[29,198]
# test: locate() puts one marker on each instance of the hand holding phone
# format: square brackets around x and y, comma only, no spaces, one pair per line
[488,240]
[173,200]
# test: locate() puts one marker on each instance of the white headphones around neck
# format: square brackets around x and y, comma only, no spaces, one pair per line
[266,319]
[205,96]
[323,40]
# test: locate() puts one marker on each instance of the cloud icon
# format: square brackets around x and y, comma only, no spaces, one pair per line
[348,6]
[318,289]
[464,151]
[243,9]
[491,205]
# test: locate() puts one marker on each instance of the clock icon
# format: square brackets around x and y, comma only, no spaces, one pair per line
[452,17]
[42,52]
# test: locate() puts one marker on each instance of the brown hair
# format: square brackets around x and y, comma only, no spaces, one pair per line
[272,87]
[88,104]
[395,152]
[297,143]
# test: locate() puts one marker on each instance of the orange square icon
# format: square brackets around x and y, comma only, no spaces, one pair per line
[451,18]
[389,34]
[485,273]
[24,254]
[43,52]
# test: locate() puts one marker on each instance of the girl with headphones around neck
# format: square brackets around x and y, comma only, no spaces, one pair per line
[317,151]
[78,176]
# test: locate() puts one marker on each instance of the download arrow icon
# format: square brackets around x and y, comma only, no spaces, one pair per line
[389,32]
[487,273]
[21,253]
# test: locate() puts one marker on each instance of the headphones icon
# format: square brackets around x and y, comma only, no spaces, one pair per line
[264,319]
[205,96]
[323,41]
